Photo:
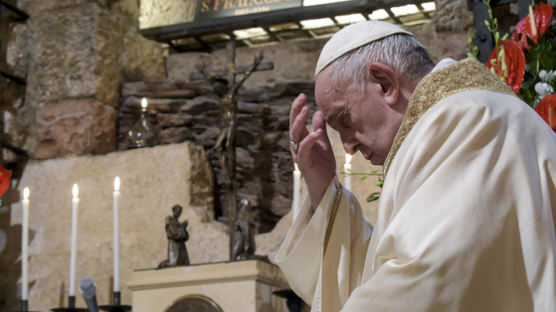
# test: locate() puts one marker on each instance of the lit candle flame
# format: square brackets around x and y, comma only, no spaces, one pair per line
[144,103]
[26,193]
[117,184]
[295,166]
[348,159]
[75,191]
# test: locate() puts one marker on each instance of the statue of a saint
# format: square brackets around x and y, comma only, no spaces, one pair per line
[177,236]
[243,235]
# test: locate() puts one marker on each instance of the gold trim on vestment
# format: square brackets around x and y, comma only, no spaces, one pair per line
[332,216]
[465,75]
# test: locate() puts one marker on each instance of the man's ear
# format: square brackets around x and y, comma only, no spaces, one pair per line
[388,81]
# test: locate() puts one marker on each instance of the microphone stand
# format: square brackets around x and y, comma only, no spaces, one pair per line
[71,307]
[116,306]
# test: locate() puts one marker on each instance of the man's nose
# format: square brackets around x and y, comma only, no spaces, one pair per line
[349,146]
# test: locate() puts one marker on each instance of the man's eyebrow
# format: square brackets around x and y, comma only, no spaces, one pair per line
[335,117]
[342,113]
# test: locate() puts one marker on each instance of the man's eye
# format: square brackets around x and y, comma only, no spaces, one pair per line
[345,121]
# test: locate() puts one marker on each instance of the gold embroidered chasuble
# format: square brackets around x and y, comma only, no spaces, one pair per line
[466,216]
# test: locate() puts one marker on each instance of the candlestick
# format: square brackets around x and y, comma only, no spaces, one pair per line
[24,244]
[73,255]
[116,235]
[296,190]
[347,170]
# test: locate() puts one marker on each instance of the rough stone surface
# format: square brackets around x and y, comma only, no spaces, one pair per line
[286,68]
[442,44]
[73,52]
[75,127]
[155,13]
[153,180]
[75,49]
[35,8]
[141,59]
[452,15]
[163,88]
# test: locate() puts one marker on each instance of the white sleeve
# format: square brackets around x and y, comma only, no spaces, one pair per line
[301,256]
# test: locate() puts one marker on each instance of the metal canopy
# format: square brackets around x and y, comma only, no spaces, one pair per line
[280,25]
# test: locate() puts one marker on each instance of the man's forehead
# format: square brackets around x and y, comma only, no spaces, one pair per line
[324,86]
[329,98]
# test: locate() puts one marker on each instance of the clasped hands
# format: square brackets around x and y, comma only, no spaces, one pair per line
[311,151]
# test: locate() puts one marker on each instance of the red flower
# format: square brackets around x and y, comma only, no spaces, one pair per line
[5,176]
[512,66]
[543,18]
[547,109]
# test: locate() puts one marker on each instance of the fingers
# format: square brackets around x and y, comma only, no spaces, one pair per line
[304,147]
[297,105]
[298,118]
[318,121]
[298,130]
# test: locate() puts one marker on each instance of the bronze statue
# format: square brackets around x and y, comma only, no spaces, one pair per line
[243,235]
[177,236]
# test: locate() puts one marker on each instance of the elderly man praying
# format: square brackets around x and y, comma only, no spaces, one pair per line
[468,208]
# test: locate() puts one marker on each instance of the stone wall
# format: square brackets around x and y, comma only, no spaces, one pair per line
[75,55]
[190,112]
[156,13]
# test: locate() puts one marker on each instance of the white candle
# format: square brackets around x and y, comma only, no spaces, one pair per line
[116,234]
[73,255]
[347,170]
[24,243]
[296,190]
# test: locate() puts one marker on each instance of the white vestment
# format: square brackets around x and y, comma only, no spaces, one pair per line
[466,219]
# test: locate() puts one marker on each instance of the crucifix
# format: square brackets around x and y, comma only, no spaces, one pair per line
[228,89]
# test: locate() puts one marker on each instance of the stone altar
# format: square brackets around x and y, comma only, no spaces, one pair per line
[242,286]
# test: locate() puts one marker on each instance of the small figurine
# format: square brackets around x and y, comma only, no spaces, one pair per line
[177,236]
[243,236]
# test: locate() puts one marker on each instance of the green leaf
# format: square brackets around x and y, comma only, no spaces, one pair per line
[374,196]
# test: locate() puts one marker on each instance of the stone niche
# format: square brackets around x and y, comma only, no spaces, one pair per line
[152,181]
[190,112]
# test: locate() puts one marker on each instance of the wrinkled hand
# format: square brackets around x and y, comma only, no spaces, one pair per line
[314,155]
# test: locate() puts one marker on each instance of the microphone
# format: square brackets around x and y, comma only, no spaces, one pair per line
[89,291]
